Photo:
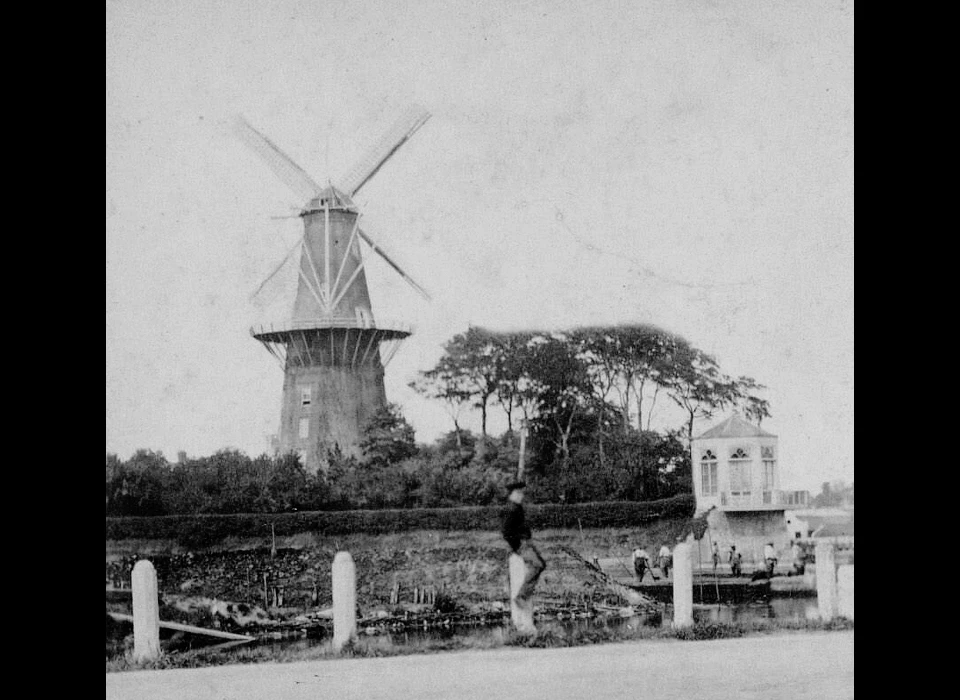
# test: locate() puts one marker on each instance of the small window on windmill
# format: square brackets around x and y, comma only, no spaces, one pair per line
[305,395]
[304,427]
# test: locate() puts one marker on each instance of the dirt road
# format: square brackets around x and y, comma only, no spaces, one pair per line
[795,665]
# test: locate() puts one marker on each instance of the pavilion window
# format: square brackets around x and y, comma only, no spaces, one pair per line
[769,468]
[740,472]
[708,474]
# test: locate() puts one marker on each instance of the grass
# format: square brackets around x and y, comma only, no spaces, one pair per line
[364,647]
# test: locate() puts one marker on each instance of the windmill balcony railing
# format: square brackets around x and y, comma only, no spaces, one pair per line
[348,322]
[768,499]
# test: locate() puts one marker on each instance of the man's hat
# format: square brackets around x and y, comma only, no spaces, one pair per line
[514,485]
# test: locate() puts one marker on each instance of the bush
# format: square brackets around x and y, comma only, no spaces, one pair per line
[197,534]
[445,603]
[204,530]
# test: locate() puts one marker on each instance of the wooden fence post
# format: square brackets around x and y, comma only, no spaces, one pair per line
[682,586]
[845,591]
[521,614]
[344,600]
[826,581]
[146,612]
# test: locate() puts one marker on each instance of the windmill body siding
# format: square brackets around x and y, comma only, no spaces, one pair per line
[340,367]
[342,400]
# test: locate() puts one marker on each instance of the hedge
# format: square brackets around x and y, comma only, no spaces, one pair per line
[204,530]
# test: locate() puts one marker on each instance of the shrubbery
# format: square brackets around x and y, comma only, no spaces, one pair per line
[195,531]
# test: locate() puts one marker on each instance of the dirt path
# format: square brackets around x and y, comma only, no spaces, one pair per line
[796,665]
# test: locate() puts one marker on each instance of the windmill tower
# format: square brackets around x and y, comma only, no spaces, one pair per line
[331,348]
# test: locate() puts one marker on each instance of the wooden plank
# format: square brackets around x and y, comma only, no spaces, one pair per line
[188,628]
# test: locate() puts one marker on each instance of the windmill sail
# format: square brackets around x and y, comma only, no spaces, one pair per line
[329,345]
[279,162]
[374,159]
[378,249]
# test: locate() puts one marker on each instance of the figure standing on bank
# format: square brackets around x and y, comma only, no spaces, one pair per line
[517,534]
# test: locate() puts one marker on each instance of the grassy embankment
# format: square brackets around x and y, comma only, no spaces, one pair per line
[468,567]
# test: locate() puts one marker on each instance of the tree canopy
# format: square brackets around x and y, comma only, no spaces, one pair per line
[577,392]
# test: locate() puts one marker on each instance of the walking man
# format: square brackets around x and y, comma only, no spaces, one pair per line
[641,562]
[666,560]
[517,534]
[770,557]
[736,561]
[799,565]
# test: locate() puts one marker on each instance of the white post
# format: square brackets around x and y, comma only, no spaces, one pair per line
[682,586]
[845,591]
[344,600]
[520,614]
[146,612]
[826,581]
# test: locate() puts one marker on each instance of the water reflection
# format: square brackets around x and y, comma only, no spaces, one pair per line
[785,609]
[788,609]
[791,609]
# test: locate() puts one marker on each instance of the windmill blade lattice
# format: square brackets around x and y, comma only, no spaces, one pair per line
[329,344]
[279,162]
[375,158]
[378,249]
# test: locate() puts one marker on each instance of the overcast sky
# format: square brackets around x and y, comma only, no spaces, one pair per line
[686,164]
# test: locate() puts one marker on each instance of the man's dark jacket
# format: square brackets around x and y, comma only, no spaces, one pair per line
[515,526]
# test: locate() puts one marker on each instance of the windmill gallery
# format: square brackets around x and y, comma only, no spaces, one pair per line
[331,348]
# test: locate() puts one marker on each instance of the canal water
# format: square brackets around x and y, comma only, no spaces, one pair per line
[786,609]
[791,609]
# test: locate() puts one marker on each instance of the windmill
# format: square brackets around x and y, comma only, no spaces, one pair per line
[331,349]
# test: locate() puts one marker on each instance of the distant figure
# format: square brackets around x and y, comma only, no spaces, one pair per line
[716,557]
[517,534]
[641,562]
[665,560]
[799,566]
[770,557]
[736,561]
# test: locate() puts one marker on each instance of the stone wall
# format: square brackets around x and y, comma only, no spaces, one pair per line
[749,531]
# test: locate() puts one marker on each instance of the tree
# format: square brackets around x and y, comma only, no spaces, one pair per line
[288,480]
[387,438]
[833,495]
[140,483]
[559,380]
[446,383]
[754,408]
[513,367]
[114,482]
[626,359]
[697,385]
[474,359]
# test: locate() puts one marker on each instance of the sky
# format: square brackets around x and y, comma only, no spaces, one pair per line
[684,164]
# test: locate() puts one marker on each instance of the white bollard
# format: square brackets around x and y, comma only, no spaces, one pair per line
[826,581]
[520,614]
[146,612]
[845,591]
[344,600]
[682,586]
